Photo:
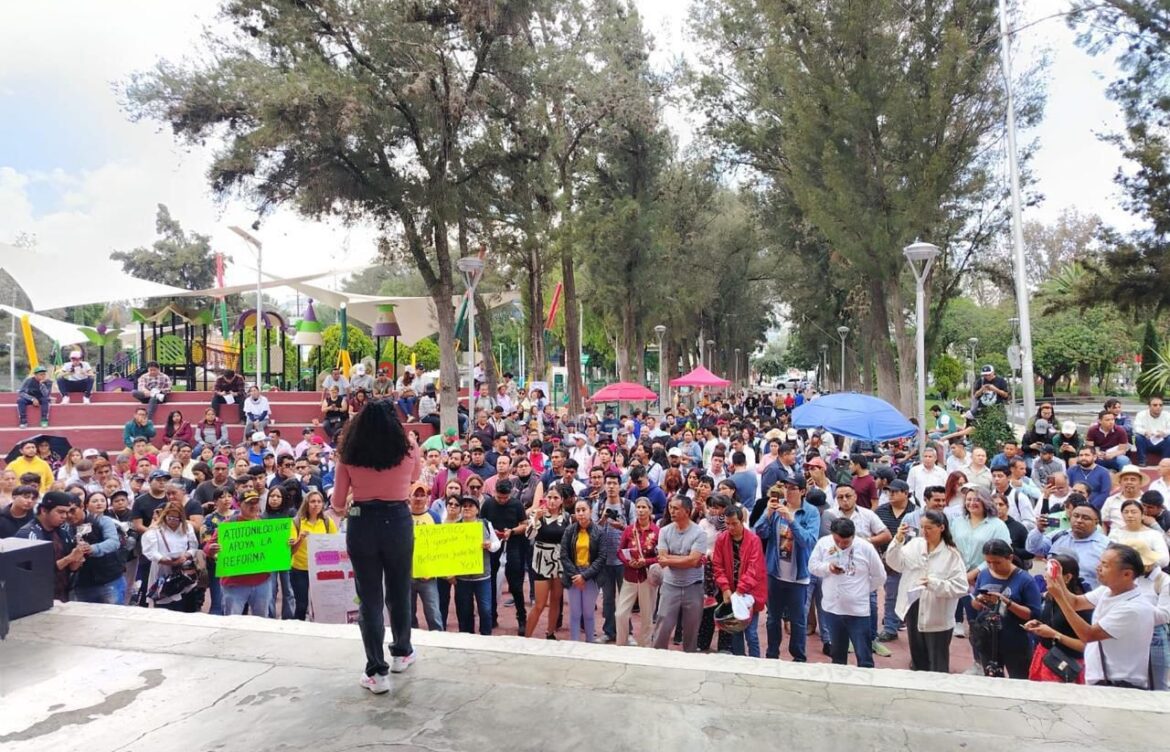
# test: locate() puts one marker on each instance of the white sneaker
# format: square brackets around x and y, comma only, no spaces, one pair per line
[85,400]
[379,684]
[960,629]
[64,399]
[403,662]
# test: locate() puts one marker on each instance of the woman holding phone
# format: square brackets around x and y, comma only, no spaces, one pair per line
[547,523]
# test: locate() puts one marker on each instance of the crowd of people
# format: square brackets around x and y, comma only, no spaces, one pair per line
[1047,554]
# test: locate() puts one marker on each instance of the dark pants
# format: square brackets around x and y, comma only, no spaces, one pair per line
[151,403]
[380,541]
[929,651]
[299,578]
[218,402]
[66,387]
[1144,447]
[472,596]
[514,574]
[445,588]
[610,580]
[22,409]
[844,630]
[787,600]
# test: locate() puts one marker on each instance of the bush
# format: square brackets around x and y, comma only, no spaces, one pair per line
[991,429]
[360,345]
[425,351]
[947,373]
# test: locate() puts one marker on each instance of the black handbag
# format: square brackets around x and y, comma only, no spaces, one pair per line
[1063,665]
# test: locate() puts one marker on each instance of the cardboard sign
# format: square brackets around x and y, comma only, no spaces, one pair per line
[448,550]
[332,599]
[253,547]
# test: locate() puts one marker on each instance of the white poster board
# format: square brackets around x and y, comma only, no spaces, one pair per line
[332,597]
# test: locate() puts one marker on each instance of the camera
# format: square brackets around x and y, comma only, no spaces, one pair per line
[612,514]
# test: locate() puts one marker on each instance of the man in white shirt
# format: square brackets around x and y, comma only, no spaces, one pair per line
[868,527]
[1131,480]
[1123,620]
[850,569]
[958,459]
[1150,427]
[928,473]
[1162,484]
[75,376]
[1021,493]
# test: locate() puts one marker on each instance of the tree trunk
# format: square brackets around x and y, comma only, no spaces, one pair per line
[572,329]
[878,330]
[1049,384]
[626,344]
[538,362]
[907,350]
[483,331]
[442,293]
[1084,380]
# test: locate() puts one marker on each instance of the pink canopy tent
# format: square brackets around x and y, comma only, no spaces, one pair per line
[624,391]
[700,377]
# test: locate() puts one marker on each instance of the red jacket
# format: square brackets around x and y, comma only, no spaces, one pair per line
[753,571]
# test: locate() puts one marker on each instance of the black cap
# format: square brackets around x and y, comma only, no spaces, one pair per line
[899,485]
[794,480]
[54,499]
[816,497]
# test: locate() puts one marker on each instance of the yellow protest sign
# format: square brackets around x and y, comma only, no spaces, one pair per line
[448,550]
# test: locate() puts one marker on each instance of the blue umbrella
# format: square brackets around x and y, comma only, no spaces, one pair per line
[858,416]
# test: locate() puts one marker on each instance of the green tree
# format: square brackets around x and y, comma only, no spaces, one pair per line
[178,258]
[397,112]
[1150,347]
[947,373]
[1137,270]
[360,345]
[425,352]
[874,119]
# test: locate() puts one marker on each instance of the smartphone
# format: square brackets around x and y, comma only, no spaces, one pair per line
[1052,521]
[1053,568]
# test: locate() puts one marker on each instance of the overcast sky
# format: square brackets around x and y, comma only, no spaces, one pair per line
[82,178]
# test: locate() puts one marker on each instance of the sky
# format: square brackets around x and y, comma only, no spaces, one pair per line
[77,174]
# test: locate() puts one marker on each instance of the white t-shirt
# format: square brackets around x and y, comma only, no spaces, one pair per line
[866,523]
[1129,620]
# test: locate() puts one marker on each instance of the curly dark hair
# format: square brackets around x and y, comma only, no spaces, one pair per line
[374,438]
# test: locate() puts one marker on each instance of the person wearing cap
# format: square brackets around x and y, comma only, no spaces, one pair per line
[892,514]
[788,530]
[989,389]
[51,524]
[473,592]
[1067,442]
[1130,479]
[582,452]
[75,376]
[35,390]
[926,473]
[1150,427]
[1046,465]
[29,462]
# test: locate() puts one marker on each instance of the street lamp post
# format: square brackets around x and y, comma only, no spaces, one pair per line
[660,330]
[254,242]
[710,354]
[921,258]
[736,382]
[472,268]
[842,331]
[972,342]
[824,367]
[1014,363]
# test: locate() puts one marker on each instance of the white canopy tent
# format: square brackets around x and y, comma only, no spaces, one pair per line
[61,332]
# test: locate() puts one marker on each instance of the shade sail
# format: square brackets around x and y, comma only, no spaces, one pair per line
[624,391]
[700,377]
[61,332]
[858,416]
[53,281]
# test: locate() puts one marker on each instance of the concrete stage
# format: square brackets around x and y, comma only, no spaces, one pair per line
[101,678]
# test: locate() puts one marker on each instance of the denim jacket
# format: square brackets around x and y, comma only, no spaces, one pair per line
[806,525]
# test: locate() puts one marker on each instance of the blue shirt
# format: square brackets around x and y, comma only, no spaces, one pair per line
[1099,481]
[1087,551]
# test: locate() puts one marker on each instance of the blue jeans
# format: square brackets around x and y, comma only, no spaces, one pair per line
[300,587]
[22,409]
[112,593]
[1160,657]
[1114,464]
[380,539]
[428,590]
[787,600]
[582,605]
[287,601]
[255,597]
[749,637]
[67,387]
[814,596]
[1143,446]
[873,616]
[846,630]
[472,597]
[890,621]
